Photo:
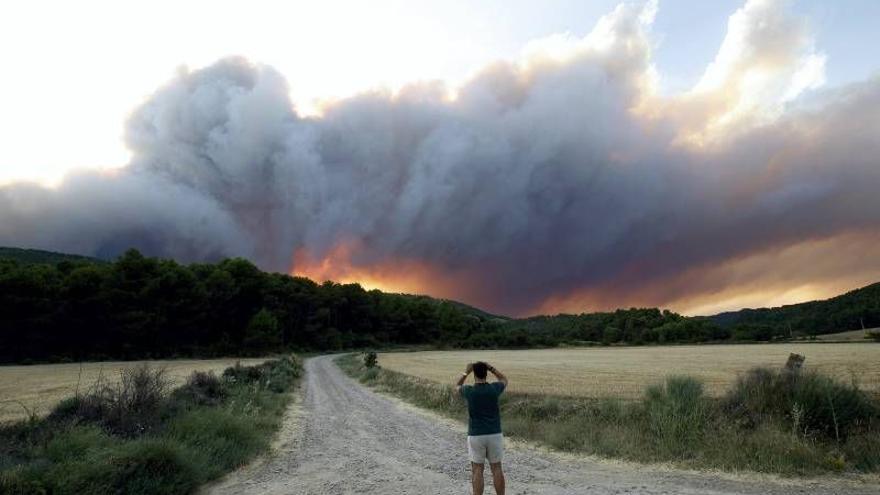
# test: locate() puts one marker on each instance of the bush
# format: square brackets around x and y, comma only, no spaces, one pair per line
[677,414]
[282,373]
[153,466]
[370,359]
[128,408]
[809,402]
[22,481]
[277,375]
[244,374]
[863,450]
[227,439]
[201,389]
[76,444]
[540,407]
[96,467]
[370,375]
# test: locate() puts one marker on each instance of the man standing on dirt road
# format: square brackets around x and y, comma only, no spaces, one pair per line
[485,440]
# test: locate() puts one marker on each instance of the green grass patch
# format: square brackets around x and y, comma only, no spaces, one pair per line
[772,422]
[138,438]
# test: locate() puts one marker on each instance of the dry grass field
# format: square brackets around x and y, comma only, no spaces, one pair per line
[625,371]
[39,387]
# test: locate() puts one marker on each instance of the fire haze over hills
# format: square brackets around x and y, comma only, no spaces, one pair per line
[561,181]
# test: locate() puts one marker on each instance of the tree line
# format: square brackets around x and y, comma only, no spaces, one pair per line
[138,307]
[853,310]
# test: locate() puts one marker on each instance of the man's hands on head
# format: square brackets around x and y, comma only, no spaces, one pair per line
[498,374]
[469,368]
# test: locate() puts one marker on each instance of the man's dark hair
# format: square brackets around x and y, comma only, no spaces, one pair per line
[480,369]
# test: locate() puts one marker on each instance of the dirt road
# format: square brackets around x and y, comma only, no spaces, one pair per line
[346,439]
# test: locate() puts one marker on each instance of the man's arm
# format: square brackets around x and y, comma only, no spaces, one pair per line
[463,377]
[499,375]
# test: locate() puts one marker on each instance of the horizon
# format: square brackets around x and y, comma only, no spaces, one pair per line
[697,157]
[536,315]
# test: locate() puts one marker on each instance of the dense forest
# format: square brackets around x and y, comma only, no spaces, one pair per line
[139,307]
[57,307]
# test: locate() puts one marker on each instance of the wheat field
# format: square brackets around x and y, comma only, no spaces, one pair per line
[38,388]
[625,371]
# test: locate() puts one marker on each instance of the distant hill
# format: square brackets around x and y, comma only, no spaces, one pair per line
[37,256]
[476,311]
[851,311]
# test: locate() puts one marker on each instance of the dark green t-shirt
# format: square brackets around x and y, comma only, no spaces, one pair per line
[484,418]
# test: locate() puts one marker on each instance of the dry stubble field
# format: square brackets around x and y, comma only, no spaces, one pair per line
[625,371]
[39,387]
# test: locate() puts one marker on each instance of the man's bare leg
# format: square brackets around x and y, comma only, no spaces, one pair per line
[477,478]
[497,477]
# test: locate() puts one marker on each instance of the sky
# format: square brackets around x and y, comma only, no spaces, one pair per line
[76,70]
[522,156]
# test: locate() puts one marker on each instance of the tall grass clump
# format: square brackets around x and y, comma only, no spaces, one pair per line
[137,437]
[677,414]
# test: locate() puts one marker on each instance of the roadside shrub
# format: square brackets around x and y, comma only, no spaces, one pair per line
[227,439]
[754,395]
[277,375]
[370,359]
[808,401]
[766,448]
[153,466]
[863,450]
[609,410]
[128,408]
[202,388]
[282,373]
[538,407]
[76,443]
[677,414]
[369,375]
[66,408]
[21,481]
[244,374]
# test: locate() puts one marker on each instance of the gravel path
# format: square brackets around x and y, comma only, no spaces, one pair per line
[343,438]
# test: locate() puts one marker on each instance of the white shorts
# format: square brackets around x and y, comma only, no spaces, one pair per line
[482,447]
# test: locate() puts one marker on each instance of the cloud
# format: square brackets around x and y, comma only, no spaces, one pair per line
[562,180]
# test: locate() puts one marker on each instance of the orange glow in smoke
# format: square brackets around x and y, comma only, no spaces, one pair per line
[769,277]
[394,276]
[805,271]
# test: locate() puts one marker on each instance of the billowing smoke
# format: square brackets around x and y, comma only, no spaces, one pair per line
[561,180]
